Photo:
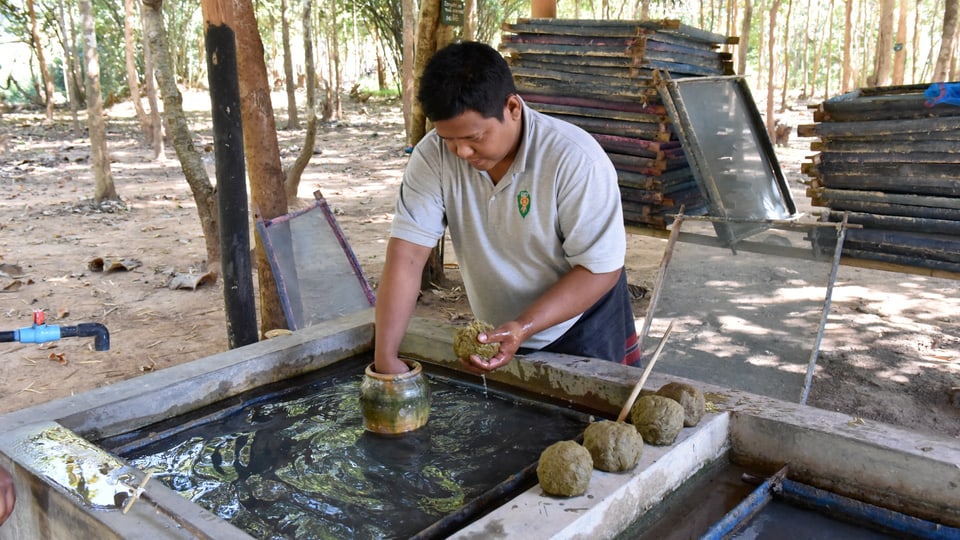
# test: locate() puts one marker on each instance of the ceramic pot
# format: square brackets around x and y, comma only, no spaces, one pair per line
[395,403]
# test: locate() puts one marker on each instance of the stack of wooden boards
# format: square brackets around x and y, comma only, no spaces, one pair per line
[892,162]
[602,76]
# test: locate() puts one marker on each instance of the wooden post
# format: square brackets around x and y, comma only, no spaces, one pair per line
[231,182]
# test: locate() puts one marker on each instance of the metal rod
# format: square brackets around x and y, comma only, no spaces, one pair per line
[845,507]
[746,509]
[812,364]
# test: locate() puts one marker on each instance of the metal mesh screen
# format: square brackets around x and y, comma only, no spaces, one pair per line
[317,274]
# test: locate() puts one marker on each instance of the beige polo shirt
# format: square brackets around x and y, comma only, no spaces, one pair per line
[557,206]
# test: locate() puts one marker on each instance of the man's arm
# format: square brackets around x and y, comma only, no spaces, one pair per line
[573,294]
[396,300]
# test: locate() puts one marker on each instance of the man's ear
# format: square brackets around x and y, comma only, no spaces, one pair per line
[514,107]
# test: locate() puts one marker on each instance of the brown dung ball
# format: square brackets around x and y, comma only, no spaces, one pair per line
[465,341]
[658,419]
[564,469]
[689,397]
[614,446]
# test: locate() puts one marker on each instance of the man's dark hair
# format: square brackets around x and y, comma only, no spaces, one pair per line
[465,76]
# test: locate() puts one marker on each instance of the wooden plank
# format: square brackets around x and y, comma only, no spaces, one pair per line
[636,163]
[551,87]
[601,114]
[641,196]
[809,130]
[882,155]
[897,147]
[897,223]
[584,52]
[896,209]
[833,195]
[918,185]
[614,28]
[884,107]
[622,144]
[667,178]
[587,83]
[617,105]
[900,170]
[641,130]
[903,265]
[886,127]
[608,68]
[925,246]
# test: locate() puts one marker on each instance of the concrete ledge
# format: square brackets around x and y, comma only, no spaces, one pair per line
[875,463]
[612,501]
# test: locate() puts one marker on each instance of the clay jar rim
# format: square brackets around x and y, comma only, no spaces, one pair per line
[415,370]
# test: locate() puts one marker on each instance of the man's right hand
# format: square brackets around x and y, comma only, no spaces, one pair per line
[390,365]
[8,497]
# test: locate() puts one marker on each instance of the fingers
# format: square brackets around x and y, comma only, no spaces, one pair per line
[8,497]
[481,366]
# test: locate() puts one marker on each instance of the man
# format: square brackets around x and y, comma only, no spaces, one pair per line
[7,495]
[534,214]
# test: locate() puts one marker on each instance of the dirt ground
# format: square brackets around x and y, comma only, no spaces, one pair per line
[891,352]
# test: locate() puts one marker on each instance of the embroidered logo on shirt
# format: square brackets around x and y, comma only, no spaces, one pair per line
[523,203]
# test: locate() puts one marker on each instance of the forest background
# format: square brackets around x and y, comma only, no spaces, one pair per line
[64,101]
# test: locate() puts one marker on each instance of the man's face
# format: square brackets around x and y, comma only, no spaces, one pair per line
[487,144]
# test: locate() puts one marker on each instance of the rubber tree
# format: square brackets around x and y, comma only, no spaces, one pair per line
[104,188]
[294,173]
[44,69]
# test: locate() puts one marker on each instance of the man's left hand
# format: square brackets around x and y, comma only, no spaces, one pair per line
[509,335]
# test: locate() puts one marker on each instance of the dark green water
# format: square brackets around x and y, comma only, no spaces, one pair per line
[303,466]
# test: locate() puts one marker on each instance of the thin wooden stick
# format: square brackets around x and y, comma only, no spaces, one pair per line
[643,378]
[137,492]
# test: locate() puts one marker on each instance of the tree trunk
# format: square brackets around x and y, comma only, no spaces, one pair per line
[900,47]
[204,194]
[293,120]
[133,78]
[744,36]
[154,122]
[407,67]
[73,97]
[425,47]
[292,181]
[336,71]
[883,67]
[946,40]
[846,80]
[826,81]
[104,188]
[44,70]
[470,19]
[771,67]
[431,36]
[262,151]
[806,50]
[786,57]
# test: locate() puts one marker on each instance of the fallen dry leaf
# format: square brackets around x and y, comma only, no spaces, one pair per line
[59,357]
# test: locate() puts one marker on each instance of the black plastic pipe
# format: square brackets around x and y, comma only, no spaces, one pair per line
[99,332]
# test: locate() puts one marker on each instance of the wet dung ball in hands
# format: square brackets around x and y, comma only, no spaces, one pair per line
[564,469]
[465,341]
